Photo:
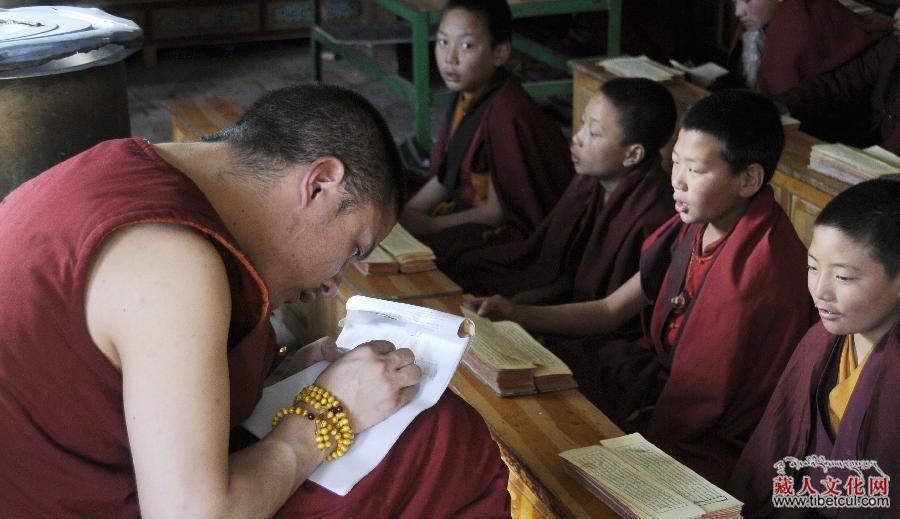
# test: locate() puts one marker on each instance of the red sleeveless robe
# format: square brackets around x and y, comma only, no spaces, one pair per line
[65,445]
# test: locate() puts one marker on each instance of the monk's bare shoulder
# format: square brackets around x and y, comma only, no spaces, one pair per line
[147,275]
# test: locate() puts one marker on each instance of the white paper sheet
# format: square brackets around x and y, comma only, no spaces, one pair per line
[433,338]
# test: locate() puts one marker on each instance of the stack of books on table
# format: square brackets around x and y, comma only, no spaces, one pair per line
[398,252]
[702,75]
[641,66]
[789,123]
[638,480]
[853,165]
[507,359]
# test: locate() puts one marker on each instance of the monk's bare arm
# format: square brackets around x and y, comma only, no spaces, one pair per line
[577,319]
[560,289]
[428,196]
[158,306]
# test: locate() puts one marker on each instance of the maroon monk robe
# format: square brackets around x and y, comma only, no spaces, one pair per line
[857,103]
[739,331]
[804,39]
[65,446]
[788,425]
[597,242]
[507,134]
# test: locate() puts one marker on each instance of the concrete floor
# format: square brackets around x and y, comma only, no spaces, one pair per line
[243,72]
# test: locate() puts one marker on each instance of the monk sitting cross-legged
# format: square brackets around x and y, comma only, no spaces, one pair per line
[780,43]
[837,397]
[723,300]
[500,163]
[590,244]
[857,103]
[139,280]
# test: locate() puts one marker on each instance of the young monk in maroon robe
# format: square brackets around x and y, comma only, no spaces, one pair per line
[138,283]
[590,243]
[838,395]
[723,303]
[782,42]
[500,164]
[857,103]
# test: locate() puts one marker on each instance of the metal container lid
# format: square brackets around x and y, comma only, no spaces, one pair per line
[43,40]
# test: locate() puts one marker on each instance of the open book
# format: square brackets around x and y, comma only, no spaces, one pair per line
[438,341]
[701,75]
[641,66]
[408,254]
[636,479]
[379,261]
[511,362]
[851,164]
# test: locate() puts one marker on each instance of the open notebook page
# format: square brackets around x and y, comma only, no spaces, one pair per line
[434,339]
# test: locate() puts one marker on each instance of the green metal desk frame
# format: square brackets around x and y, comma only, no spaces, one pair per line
[418,92]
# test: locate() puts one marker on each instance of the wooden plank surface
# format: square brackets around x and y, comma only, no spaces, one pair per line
[401,287]
[532,430]
[194,118]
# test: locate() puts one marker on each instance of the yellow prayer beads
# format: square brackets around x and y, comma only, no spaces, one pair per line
[331,421]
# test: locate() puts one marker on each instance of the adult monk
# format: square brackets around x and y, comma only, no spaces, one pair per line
[720,298]
[500,163]
[782,42]
[590,244]
[838,395]
[139,282]
[857,103]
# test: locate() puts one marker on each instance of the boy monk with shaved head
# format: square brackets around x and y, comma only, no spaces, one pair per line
[721,289]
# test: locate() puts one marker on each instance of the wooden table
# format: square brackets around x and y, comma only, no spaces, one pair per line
[801,191]
[420,14]
[531,430]
[325,314]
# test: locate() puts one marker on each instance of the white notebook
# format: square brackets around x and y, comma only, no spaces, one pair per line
[438,341]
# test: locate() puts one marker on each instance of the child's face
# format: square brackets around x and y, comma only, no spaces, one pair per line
[852,292]
[705,189]
[755,14]
[597,148]
[463,51]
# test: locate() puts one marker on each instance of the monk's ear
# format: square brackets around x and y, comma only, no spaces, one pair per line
[501,53]
[752,179]
[323,178]
[634,154]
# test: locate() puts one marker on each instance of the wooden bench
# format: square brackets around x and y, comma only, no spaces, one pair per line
[194,118]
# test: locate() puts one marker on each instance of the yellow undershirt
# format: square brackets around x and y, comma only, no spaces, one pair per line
[462,106]
[848,375]
[479,180]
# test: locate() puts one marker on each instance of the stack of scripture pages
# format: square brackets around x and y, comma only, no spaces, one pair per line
[438,340]
[410,253]
[702,75]
[511,362]
[789,123]
[378,262]
[641,66]
[853,165]
[638,480]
